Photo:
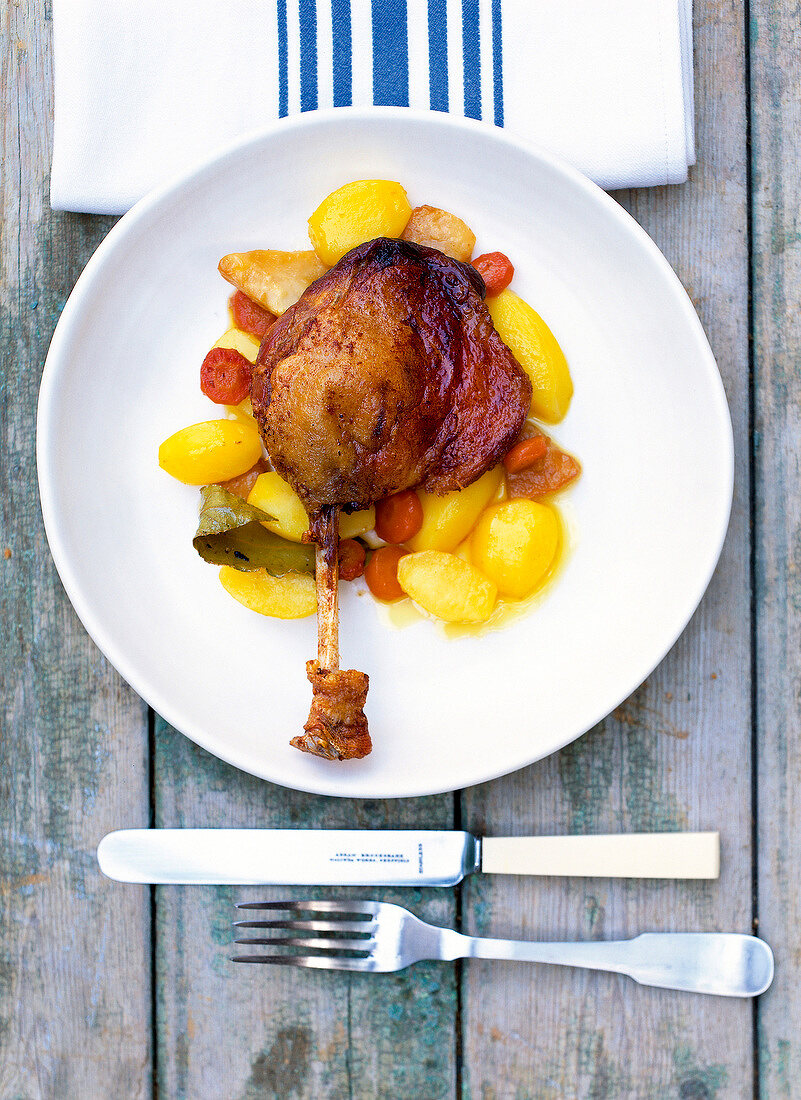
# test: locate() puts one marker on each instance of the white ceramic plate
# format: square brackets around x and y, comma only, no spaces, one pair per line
[649,423]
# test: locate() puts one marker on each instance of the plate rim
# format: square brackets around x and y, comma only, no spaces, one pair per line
[128,224]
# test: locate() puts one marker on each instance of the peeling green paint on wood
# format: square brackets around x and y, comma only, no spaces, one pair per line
[74,952]
[775,56]
[586,773]
[580,1065]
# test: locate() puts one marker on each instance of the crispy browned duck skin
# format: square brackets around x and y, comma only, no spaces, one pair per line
[385,375]
[336,728]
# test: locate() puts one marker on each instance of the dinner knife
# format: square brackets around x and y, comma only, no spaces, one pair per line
[408,857]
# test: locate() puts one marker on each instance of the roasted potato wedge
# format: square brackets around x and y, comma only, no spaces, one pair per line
[273,279]
[437,228]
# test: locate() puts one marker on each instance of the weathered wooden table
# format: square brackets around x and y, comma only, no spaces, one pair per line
[119,992]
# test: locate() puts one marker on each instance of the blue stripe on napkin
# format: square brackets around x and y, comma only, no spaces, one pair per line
[471,53]
[342,43]
[307,17]
[390,60]
[438,54]
[497,61]
[283,61]
[390,54]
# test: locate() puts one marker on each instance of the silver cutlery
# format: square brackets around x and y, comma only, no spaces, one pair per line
[399,857]
[377,937]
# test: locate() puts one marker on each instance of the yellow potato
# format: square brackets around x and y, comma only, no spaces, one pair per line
[292,596]
[447,586]
[215,450]
[447,520]
[357,523]
[243,412]
[536,350]
[501,493]
[273,495]
[355,213]
[463,551]
[240,341]
[437,228]
[273,279]
[515,544]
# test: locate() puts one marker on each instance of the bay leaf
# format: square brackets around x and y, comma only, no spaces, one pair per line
[230,532]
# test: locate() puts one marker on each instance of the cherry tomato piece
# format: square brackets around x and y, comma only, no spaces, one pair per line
[381,573]
[225,376]
[496,269]
[249,315]
[525,454]
[399,517]
[351,559]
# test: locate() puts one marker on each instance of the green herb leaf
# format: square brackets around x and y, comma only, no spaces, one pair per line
[230,532]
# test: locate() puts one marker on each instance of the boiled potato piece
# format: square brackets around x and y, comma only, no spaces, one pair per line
[243,412]
[215,450]
[515,544]
[292,596]
[463,551]
[276,497]
[447,520]
[355,213]
[273,279]
[536,350]
[357,523]
[240,341]
[437,228]
[501,493]
[447,586]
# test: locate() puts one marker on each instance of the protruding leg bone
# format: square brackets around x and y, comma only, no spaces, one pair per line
[336,728]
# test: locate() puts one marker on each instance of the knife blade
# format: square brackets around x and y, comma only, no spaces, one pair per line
[398,857]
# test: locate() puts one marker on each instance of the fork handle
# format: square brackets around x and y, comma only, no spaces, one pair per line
[725,963]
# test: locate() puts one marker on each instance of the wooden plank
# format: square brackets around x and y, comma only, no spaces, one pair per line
[245,1031]
[74,954]
[675,755]
[776,154]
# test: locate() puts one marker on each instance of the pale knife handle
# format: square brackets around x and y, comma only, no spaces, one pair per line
[627,855]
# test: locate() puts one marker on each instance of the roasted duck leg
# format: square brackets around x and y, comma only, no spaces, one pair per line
[385,375]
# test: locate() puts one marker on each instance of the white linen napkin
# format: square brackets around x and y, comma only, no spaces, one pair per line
[144,89]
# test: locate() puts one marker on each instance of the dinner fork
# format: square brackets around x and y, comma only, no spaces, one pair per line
[378,937]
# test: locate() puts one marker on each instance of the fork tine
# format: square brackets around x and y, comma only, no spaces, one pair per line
[293,918]
[314,962]
[309,925]
[368,908]
[317,944]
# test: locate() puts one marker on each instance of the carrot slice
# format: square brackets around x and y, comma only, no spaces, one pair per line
[398,517]
[381,573]
[525,454]
[496,269]
[351,559]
